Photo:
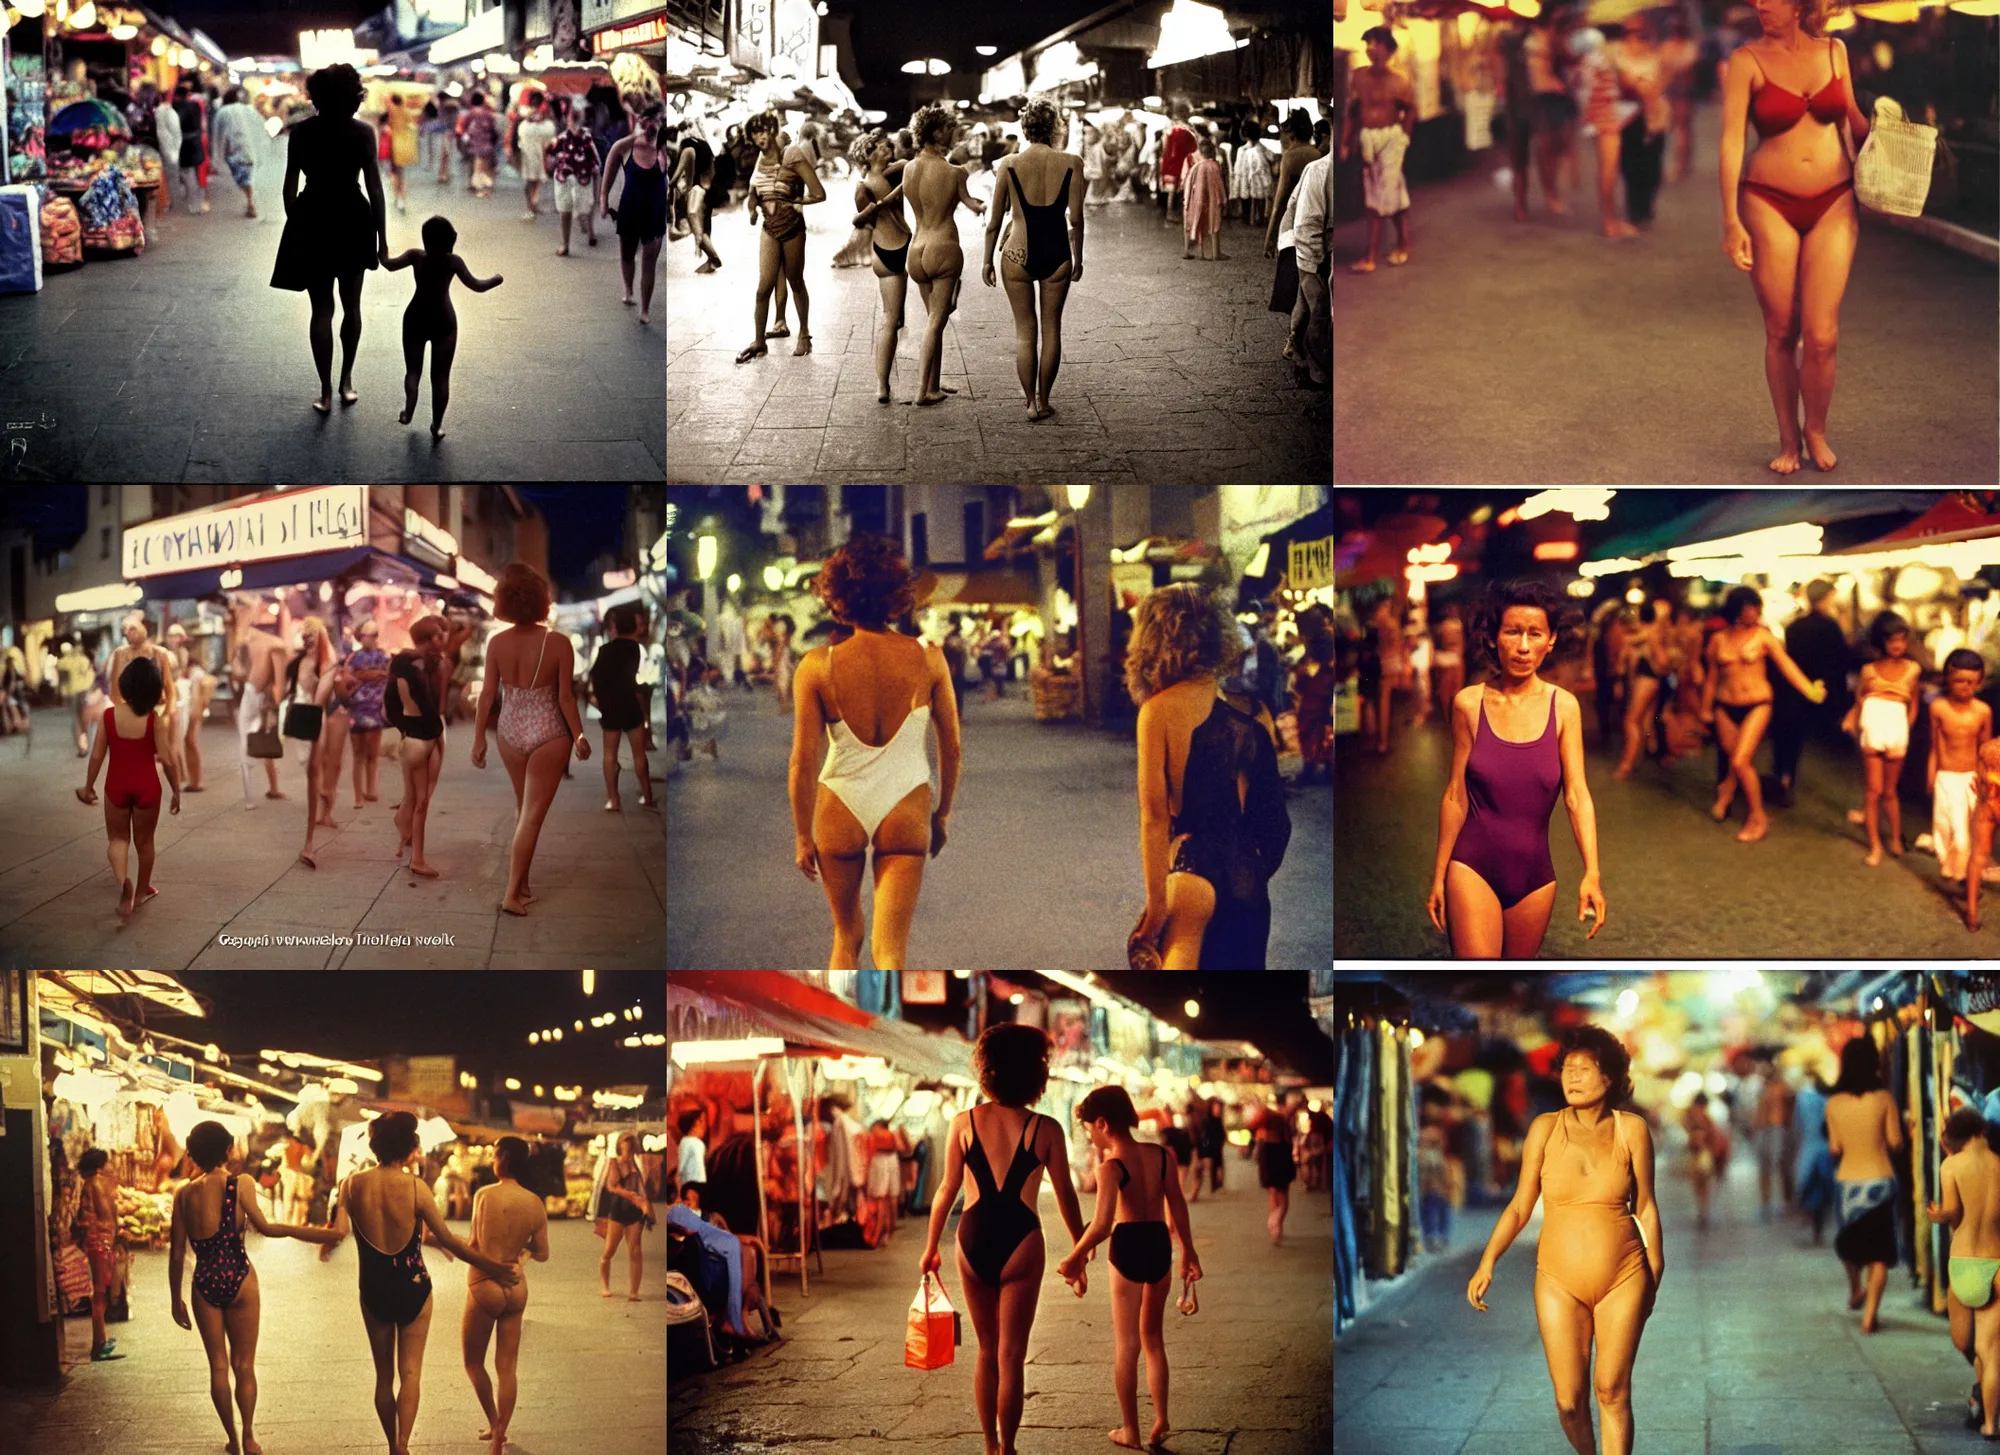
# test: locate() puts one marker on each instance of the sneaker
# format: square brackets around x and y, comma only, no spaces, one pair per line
[105,1351]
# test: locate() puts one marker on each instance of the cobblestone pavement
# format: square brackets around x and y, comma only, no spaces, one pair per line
[1250,1374]
[1170,370]
[1751,1350]
[1535,352]
[599,879]
[1677,882]
[592,1371]
[183,364]
[1041,871]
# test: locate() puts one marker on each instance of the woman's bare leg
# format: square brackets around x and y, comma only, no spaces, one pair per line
[1743,764]
[1726,734]
[315,788]
[506,1360]
[118,844]
[416,754]
[1125,1357]
[1524,925]
[1619,1320]
[1878,1276]
[894,289]
[1152,1338]
[208,1319]
[635,1246]
[1892,773]
[371,788]
[1027,345]
[1825,256]
[1986,1340]
[1020,1289]
[1190,906]
[611,741]
[410,1339]
[350,332]
[982,1302]
[475,1330]
[382,1345]
[649,272]
[191,751]
[332,759]
[544,776]
[1637,714]
[769,258]
[1472,917]
[902,841]
[240,1320]
[1775,275]
[1871,774]
[1566,1330]
[144,821]
[1055,292]
[320,333]
[640,767]
[794,254]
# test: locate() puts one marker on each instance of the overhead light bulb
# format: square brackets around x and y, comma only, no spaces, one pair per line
[84,16]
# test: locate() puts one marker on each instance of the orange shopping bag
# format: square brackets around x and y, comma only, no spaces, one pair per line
[933,1331]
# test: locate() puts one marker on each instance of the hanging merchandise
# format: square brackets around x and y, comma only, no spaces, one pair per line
[62,231]
[110,213]
[1389,1238]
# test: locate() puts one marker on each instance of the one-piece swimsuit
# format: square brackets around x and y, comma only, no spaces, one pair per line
[1512,789]
[1048,239]
[999,1222]
[220,1261]
[1591,1244]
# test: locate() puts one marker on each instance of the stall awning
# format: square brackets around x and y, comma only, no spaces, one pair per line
[811,1018]
[1960,516]
[1744,511]
[286,570]
[156,985]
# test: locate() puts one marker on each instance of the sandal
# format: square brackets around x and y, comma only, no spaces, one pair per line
[781,331]
[1398,258]
[755,351]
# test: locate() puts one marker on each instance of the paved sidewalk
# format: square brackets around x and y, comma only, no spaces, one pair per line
[1170,370]
[1751,1351]
[592,1371]
[1041,871]
[1540,352]
[1250,1374]
[183,364]
[599,879]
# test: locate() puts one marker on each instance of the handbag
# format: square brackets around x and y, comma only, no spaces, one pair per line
[72,1271]
[932,1335]
[1892,174]
[264,742]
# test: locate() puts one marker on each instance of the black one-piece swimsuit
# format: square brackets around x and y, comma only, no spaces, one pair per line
[993,1227]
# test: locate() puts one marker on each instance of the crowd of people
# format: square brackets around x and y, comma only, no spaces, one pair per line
[145,707]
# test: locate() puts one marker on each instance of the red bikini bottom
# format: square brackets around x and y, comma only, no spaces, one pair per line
[1800,212]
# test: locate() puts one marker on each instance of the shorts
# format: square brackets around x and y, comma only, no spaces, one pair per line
[574,196]
[242,169]
[1382,152]
[1885,726]
[1951,821]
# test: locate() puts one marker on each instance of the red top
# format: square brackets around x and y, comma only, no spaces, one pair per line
[1174,152]
[1774,109]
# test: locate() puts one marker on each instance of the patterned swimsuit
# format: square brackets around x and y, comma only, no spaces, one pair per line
[220,1262]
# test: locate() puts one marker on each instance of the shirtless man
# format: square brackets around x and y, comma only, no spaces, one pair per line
[1385,114]
[1970,1204]
[509,1224]
[138,645]
[1960,725]
[1986,785]
[260,663]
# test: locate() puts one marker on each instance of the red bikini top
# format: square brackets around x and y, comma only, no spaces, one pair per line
[1774,109]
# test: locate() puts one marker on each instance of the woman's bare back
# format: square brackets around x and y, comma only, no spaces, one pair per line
[201,1205]
[875,676]
[1859,1123]
[511,656]
[931,186]
[508,1223]
[381,1210]
[1040,171]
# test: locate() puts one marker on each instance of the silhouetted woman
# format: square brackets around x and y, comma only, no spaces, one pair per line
[1001,1253]
[333,233]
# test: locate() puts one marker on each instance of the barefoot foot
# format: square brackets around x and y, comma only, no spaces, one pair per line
[1719,810]
[514,905]
[428,870]
[1158,1433]
[1753,830]
[1821,452]
[347,394]
[125,899]
[1786,461]
[306,858]
[251,1447]
[323,404]
[1874,857]
[404,416]
[1127,1437]
[1896,847]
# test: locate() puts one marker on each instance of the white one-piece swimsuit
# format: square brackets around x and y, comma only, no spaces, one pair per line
[873,780]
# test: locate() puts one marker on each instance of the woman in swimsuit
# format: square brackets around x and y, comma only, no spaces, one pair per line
[1649,660]
[392,1209]
[1600,1256]
[414,678]
[1038,258]
[309,683]
[1736,683]
[1001,1254]
[539,721]
[509,1223]
[226,1300]
[1790,222]
[1132,1212]
[136,737]
[935,188]
[783,182]
[870,710]
[1884,711]
[874,157]
[1212,821]
[1864,1130]
[367,668]
[623,1214]
[1517,744]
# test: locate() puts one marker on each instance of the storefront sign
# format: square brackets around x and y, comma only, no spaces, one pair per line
[624,37]
[923,987]
[263,528]
[1311,564]
[486,31]
[427,1078]
[431,544]
[794,38]
[598,14]
[750,36]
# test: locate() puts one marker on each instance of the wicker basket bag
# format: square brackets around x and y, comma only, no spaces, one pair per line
[1893,172]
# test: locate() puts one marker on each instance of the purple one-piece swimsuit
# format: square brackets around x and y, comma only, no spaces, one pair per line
[1513,789]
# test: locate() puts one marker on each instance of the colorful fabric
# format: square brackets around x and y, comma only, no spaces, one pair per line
[479,130]
[1206,190]
[364,703]
[1251,174]
[1174,152]
[572,157]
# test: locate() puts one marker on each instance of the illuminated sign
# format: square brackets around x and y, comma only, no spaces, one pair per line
[643,32]
[266,528]
[1311,564]
[438,545]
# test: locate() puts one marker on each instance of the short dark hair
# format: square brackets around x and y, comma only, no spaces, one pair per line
[1962,1126]
[209,1143]
[866,582]
[1886,624]
[623,617]
[1818,591]
[1964,659]
[335,90]
[764,121]
[689,1118]
[522,595]
[392,1136]
[1012,1063]
[1564,619]
[1113,1104]
[1610,1054]
[1381,33]
[1860,1067]
[510,1156]
[1297,125]
[142,684]
[91,1161]
[439,235]
[1738,598]
[697,1188]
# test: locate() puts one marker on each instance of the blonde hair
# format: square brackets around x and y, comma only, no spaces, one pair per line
[1179,633]
[325,654]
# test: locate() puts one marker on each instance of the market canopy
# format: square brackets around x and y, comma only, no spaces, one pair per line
[1744,511]
[816,1020]
[151,984]
[1964,515]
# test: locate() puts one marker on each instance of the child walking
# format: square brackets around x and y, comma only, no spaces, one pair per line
[1969,1193]
[1136,1185]
[1986,790]
[1206,191]
[430,318]
[1385,116]
[1884,712]
[136,738]
[1959,726]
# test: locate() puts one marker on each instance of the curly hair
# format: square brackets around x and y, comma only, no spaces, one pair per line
[1012,1063]
[764,121]
[1041,120]
[1610,1054]
[866,582]
[522,595]
[861,150]
[1813,16]
[1565,621]
[934,125]
[335,90]
[1179,633]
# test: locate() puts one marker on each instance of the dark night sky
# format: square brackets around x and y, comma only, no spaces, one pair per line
[481,1016]
[1268,1010]
[585,521]
[267,27]
[890,32]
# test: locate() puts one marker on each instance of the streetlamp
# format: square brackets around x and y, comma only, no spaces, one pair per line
[1079,496]
[704,564]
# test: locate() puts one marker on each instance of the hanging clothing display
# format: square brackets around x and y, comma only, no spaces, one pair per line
[1389,1234]
[1375,1133]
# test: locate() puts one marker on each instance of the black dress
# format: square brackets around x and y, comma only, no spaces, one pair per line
[330,228]
[614,678]
[1235,840]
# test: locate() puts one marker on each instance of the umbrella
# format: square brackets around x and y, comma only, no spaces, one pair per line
[83,116]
